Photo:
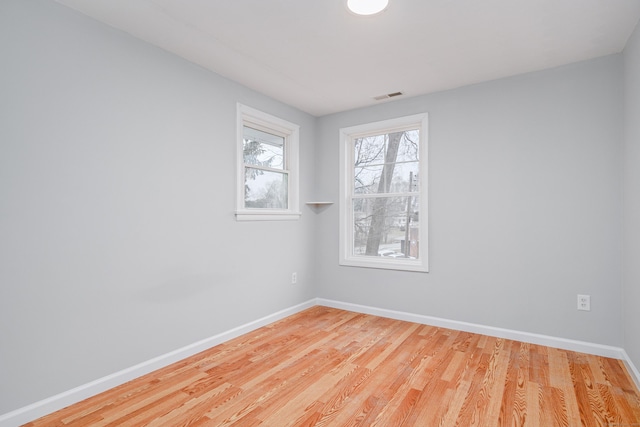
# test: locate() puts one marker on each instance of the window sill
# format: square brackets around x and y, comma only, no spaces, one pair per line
[385,264]
[267,216]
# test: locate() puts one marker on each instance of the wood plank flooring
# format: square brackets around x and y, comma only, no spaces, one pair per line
[329,367]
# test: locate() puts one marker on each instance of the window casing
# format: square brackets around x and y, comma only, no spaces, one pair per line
[383,194]
[267,180]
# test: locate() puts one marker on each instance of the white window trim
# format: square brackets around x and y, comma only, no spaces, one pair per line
[292,131]
[347,135]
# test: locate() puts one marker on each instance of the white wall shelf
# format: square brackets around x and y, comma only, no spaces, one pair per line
[320,206]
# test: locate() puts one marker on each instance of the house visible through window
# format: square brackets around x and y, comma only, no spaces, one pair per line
[267,167]
[383,195]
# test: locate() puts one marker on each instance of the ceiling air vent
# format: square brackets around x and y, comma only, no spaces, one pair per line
[387,96]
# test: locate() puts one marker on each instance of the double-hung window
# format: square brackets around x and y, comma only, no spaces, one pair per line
[267,182]
[383,194]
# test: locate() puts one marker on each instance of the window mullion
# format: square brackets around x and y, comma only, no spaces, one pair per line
[267,169]
[388,195]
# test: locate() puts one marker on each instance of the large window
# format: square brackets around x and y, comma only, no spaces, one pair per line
[383,200]
[267,167]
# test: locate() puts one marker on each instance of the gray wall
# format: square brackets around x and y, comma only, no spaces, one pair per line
[632,198]
[524,205]
[118,241]
[117,236]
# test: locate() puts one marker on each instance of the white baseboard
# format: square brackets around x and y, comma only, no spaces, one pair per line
[64,399]
[546,340]
[635,374]
[562,343]
[59,401]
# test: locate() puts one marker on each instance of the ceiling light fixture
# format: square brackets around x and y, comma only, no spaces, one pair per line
[367,7]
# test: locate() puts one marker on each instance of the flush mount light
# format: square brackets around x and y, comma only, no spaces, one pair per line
[367,7]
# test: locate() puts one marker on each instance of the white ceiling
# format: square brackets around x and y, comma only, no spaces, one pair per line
[320,58]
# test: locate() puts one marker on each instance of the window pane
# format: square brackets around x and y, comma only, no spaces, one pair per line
[386,163]
[385,148]
[372,179]
[381,226]
[263,149]
[265,189]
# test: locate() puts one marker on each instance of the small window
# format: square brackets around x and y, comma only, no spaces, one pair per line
[383,203]
[267,167]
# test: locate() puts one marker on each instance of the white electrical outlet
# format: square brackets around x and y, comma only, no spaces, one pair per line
[584,302]
[294,278]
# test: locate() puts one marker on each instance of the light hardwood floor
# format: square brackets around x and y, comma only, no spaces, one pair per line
[329,367]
